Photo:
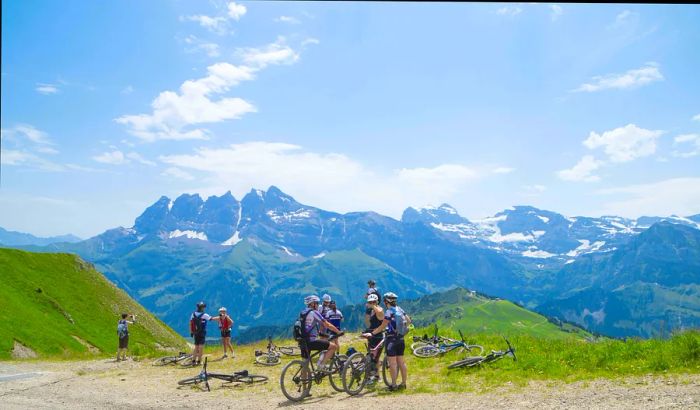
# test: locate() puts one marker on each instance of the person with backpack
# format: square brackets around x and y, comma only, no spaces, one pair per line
[198,330]
[396,322]
[306,331]
[334,316]
[123,334]
[371,289]
[225,325]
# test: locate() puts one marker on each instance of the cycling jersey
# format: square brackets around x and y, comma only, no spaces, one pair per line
[334,317]
[312,323]
[390,315]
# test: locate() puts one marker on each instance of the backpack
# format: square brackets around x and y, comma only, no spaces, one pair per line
[122,330]
[402,322]
[299,330]
[196,325]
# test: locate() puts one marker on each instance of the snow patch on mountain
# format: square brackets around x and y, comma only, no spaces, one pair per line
[585,247]
[233,240]
[319,256]
[189,234]
[289,216]
[288,252]
[537,254]
[543,218]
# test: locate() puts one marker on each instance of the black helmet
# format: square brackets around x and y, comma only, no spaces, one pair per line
[201,305]
[371,282]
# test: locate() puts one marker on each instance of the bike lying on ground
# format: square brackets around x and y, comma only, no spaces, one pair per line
[434,340]
[298,375]
[181,357]
[236,377]
[272,356]
[471,361]
[447,346]
[362,369]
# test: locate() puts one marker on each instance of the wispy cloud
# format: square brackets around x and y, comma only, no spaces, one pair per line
[623,18]
[219,24]
[582,171]
[197,45]
[631,79]
[555,11]
[503,170]
[46,89]
[696,117]
[287,19]
[691,144]
[679,196]
[117,157]
[275,53]
[127,90]
[177,173]
[347,184]
[509,11]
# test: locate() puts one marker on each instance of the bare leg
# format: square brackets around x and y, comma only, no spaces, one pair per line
[393,370]
[404,369]
[329,354]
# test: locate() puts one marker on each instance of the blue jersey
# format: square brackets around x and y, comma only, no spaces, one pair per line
[312,323]
[334,317]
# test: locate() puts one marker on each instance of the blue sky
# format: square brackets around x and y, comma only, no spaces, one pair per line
[579,109]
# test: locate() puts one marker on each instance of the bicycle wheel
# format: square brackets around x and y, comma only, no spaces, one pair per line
[295,380]
[467,362]
[354,373]
[427,351]
[474,348]
[251,378]
[195,381]
[416,345]
[386,371]
[187,362]
[336,366]
[165,361]
[290,350]
[268,360]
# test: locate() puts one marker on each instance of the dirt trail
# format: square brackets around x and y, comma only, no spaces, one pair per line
[107,384]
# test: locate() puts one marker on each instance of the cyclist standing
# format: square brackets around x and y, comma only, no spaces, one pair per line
[123,333]
[374,315]
[396,323]
[334,316]
[371,288]
[311,320]
[198,330]
[225,324]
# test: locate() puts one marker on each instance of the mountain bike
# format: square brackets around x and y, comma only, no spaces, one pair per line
[298,375]
[361,369]
[181,357]
[272,356]
[471,361]
[236,377]
[434,340]
[444,347]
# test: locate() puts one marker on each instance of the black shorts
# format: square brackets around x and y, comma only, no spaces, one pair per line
[200,339]
[226,333]
[395,346]
[124,342]
[308,347]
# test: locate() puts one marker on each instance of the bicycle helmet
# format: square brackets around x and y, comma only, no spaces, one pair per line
[391,296]
[326,297]
[201,305]
[222,309]
[311,299]
[371,282]
[373,298]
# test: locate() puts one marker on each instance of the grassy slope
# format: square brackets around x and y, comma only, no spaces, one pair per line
[70,290]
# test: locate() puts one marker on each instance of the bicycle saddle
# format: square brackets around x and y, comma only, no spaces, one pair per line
[241,373]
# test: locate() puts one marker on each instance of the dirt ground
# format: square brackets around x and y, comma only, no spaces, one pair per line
[108,384]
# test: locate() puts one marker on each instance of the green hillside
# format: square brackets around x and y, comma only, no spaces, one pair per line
[474,313]
[59,306]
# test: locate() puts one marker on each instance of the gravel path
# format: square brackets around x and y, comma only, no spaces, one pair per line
[107,384]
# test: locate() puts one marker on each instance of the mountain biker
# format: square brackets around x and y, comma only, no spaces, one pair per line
[311,320]
[198,330]
[123,334]
[225,324]
[395,332]
[323,309]
[334,316]
[374,315]
[371,288]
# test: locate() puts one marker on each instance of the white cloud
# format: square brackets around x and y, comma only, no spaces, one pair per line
[503,170]
[177,173]
[197,45]
[625,143]
[127,90]
[691,141]
[679,196]
[582,171]
[556,11]
[236,11]
[28,132]
[287,19]
[117,157]
[312,40]
[623,18]
[46,89]
[631,79]
[174,111]
[509,11]
[275,53]
[696,117]
[534,189]
[345,184]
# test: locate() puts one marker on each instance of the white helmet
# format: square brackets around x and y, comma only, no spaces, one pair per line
[390,296]
[222,309]
[373,298]
[326,297]
[311,299]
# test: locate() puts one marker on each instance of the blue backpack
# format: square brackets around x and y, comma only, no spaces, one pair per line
[122,329]
[401,320]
